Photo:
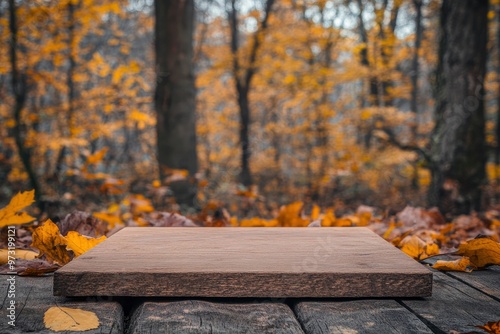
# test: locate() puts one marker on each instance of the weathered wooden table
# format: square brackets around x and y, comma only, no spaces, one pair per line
[459,302]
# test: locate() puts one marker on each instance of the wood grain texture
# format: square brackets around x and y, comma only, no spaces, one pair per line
[244,262]
[487,280]
[193,316]
[34,297]
[454,306]
[358,316]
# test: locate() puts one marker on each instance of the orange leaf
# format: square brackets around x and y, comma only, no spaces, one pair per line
[491,327]
[50,242]
[79,244]
[462,264]
[291,215]
[10,215]
[417,248]
[481,251]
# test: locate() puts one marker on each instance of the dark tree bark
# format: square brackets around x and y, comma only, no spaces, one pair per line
[497,129]
[175,94]
[458,149]
[415,71]
[70,84]
[243,79]
[20,90]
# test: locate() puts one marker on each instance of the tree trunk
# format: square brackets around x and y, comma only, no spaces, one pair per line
[243,80]
[175,94]
[415,71]
[497,130]
[70,84]
[20,91]
[458,149]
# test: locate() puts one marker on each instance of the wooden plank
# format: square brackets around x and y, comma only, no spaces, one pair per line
[454,306]
[33,296]
[193,316]
[487,280]
[244,262]
[357,316]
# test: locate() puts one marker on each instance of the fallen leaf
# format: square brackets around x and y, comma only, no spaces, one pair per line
[491,327]
[50,242]
[112,219]
[70,319]
[83,223]
[329,219]
[291,215]
[481,251]
[79,244]
[258,222]
[11,215]
[417,248]
[462,264]
[36,267]
[17,254]
[167,219]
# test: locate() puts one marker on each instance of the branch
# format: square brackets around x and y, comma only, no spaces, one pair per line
[391,139]
[256,44]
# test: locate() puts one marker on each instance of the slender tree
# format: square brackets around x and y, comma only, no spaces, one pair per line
[243,76]
[458,149]
[175,94]
[415,72]
[20,91]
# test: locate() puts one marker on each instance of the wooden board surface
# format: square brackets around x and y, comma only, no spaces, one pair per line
[358,316]
[244,262]
[454,307]
[195,316]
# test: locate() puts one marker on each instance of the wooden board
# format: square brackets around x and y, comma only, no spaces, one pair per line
[33,297]
[195,316]
[244,262]
[358,316]
[454,307]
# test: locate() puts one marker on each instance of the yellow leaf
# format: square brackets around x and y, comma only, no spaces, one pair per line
[417,248]
[17,253]
[97,156]
[291,215]
[10,215]
[481,251]
[329,219]
[491,327]
[462,264]
[110,218]
[50,242]
[79,244]
[257,222]
[315,212]
[69,319]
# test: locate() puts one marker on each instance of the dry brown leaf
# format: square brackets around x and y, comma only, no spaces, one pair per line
[167,219]
[79,244]
[481,251]
[50,242]
[83,223]
[70,319]
[36,267]
[462,264]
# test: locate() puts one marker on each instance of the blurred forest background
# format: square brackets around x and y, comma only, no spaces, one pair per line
[337,103]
